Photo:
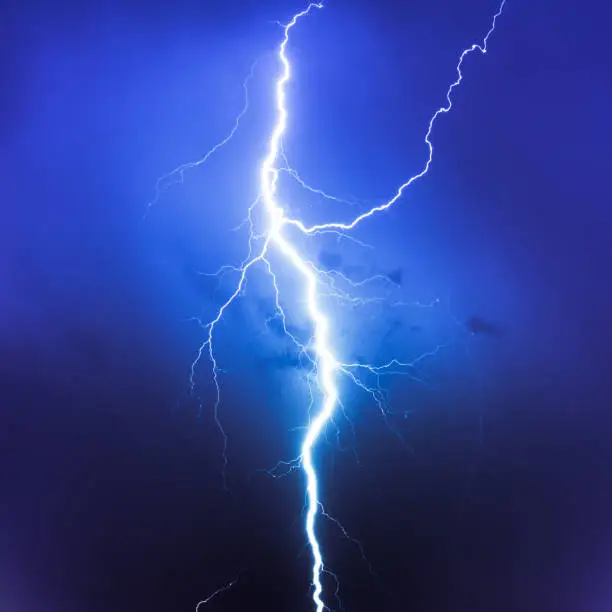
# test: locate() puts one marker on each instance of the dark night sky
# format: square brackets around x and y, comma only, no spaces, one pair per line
[499,498]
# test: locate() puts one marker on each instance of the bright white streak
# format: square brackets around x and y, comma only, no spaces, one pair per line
[326,362]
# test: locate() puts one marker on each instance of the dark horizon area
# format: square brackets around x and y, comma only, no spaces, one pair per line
[486,488]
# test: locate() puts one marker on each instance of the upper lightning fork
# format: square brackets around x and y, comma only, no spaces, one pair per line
[482,47]
[177,175]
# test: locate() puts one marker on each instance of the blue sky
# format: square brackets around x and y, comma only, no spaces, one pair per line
[497,490]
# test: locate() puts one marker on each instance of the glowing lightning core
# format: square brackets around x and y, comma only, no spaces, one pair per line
[326,361]
[328,367]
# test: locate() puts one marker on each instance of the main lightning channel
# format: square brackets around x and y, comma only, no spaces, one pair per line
[326,361]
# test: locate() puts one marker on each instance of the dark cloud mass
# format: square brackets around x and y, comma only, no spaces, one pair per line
[478,325]
[330,261]
[396,276]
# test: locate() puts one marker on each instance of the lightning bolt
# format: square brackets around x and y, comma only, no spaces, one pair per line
[319,352]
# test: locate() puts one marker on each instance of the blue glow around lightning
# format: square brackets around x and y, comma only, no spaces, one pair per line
[320,353]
